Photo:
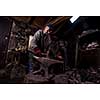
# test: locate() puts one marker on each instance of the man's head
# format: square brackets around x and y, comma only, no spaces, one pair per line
[48,29]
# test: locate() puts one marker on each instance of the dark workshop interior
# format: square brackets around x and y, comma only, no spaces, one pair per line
[72,56]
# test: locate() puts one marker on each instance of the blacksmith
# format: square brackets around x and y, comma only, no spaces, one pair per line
[41,40]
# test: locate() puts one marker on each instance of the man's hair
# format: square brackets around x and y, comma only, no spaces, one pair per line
[50,26]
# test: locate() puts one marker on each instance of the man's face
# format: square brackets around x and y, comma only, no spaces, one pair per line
[47,30]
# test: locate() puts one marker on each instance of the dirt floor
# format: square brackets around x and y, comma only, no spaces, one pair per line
[90,75]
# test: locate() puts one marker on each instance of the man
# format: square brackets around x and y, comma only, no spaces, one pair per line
[45,42]
[41,40]
[39,44]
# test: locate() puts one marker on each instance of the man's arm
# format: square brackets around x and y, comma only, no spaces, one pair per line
[33,45]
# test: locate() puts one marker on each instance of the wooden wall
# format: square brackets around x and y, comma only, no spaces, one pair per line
[5,26]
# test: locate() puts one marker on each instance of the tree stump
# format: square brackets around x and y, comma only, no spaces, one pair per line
[35,79]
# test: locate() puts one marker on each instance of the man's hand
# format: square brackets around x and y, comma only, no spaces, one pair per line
[59,56]
[37,51]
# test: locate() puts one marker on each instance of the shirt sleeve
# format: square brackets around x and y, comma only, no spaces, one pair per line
[35,39]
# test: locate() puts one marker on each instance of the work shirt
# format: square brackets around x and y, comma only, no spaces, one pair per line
[40,40]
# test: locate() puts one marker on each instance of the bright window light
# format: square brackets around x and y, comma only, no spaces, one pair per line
[74,18]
